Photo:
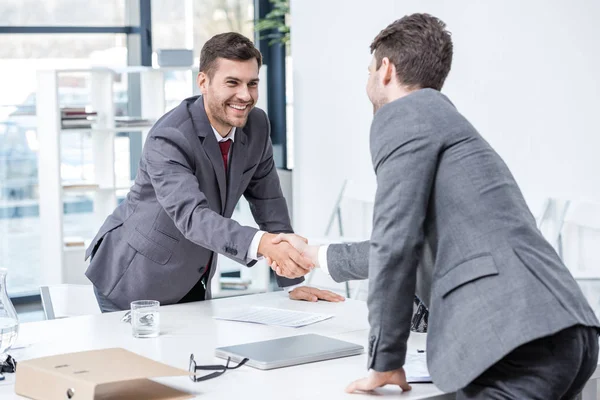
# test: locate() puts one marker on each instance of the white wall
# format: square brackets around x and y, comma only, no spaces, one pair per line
[524,73]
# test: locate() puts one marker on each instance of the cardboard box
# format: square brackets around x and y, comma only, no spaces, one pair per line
[96,375]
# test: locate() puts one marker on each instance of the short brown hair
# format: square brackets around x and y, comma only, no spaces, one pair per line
[420,48]
[230,45]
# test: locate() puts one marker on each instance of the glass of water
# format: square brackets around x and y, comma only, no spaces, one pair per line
[9,322]
[145,319]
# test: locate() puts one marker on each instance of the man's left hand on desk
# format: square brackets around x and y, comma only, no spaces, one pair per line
[308,293]
[377,379]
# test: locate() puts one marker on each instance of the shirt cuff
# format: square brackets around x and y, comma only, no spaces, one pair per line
[253,249]
[288,289]
[322,257]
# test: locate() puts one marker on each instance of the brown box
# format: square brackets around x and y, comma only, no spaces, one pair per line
[96,375]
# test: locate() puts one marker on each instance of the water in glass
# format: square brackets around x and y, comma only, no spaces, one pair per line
[9,330]
[9,322]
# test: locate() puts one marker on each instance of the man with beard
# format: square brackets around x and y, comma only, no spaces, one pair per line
[198,160]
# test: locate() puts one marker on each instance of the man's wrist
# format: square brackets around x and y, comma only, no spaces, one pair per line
[264,243]
[253,250]
[312,252]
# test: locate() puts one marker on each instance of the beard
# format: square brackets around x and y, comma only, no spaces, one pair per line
[218,111]
[377,104]
[376,97]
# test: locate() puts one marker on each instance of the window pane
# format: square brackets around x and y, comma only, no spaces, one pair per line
[20,57]
[169,25]
[175,26]
[62,13]
[218,16]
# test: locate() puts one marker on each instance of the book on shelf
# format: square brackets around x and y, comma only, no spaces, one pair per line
[76,112]
[76,124]
[77,117]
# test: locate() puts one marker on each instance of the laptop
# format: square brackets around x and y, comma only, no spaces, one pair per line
[288,351]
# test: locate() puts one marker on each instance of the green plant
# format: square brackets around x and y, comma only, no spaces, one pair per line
[274,25]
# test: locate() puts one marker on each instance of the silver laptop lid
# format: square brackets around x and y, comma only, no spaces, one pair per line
[287,351]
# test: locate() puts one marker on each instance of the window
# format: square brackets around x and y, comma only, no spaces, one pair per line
[190,24]
[20,56]
[217,16]
[62,13]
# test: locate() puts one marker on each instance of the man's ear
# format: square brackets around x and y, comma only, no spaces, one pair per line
[388,70]
[202,80]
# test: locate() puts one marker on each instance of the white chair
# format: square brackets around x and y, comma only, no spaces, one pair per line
[353,211]
[62,301]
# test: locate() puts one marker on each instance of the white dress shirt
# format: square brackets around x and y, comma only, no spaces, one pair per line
[252,254]
[322,259]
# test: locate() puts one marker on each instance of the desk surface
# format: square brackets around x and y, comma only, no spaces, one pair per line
[190,328]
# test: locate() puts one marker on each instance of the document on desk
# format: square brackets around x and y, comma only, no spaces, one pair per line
[272,316]
[415,368]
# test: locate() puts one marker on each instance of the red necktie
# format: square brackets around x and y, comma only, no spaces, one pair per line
[225,146]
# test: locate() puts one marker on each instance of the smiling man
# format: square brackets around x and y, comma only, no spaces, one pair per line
[197,162]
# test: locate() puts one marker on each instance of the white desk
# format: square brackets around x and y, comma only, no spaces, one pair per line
[190,328]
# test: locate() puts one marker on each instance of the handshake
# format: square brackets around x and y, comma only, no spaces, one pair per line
[289,255]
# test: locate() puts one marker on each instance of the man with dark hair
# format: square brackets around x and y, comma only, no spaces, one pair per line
[507,318]
[198,160]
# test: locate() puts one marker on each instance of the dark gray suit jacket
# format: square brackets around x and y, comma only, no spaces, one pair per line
[158,241]
[496,283]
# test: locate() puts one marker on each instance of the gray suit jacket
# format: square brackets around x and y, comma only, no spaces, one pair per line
[350,261]
[495,281]
[158,241]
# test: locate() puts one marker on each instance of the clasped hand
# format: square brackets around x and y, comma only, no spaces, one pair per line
[290,261]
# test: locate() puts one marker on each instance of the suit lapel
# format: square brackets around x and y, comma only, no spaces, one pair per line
[236,165]
[210,146]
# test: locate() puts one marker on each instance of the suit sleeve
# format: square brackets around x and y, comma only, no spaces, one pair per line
[405,159]
[267,204]
[348,261]
[171,171]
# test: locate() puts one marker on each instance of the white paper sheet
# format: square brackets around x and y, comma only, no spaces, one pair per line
[415,368]
[272,316]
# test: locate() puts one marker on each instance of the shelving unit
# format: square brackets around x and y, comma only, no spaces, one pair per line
[65,262]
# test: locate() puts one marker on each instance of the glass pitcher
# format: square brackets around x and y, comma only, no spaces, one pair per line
[9,322]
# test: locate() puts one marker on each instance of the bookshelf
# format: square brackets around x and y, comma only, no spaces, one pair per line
[64,255]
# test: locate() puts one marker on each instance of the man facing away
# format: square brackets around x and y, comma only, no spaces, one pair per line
[507,319]
[198,160]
